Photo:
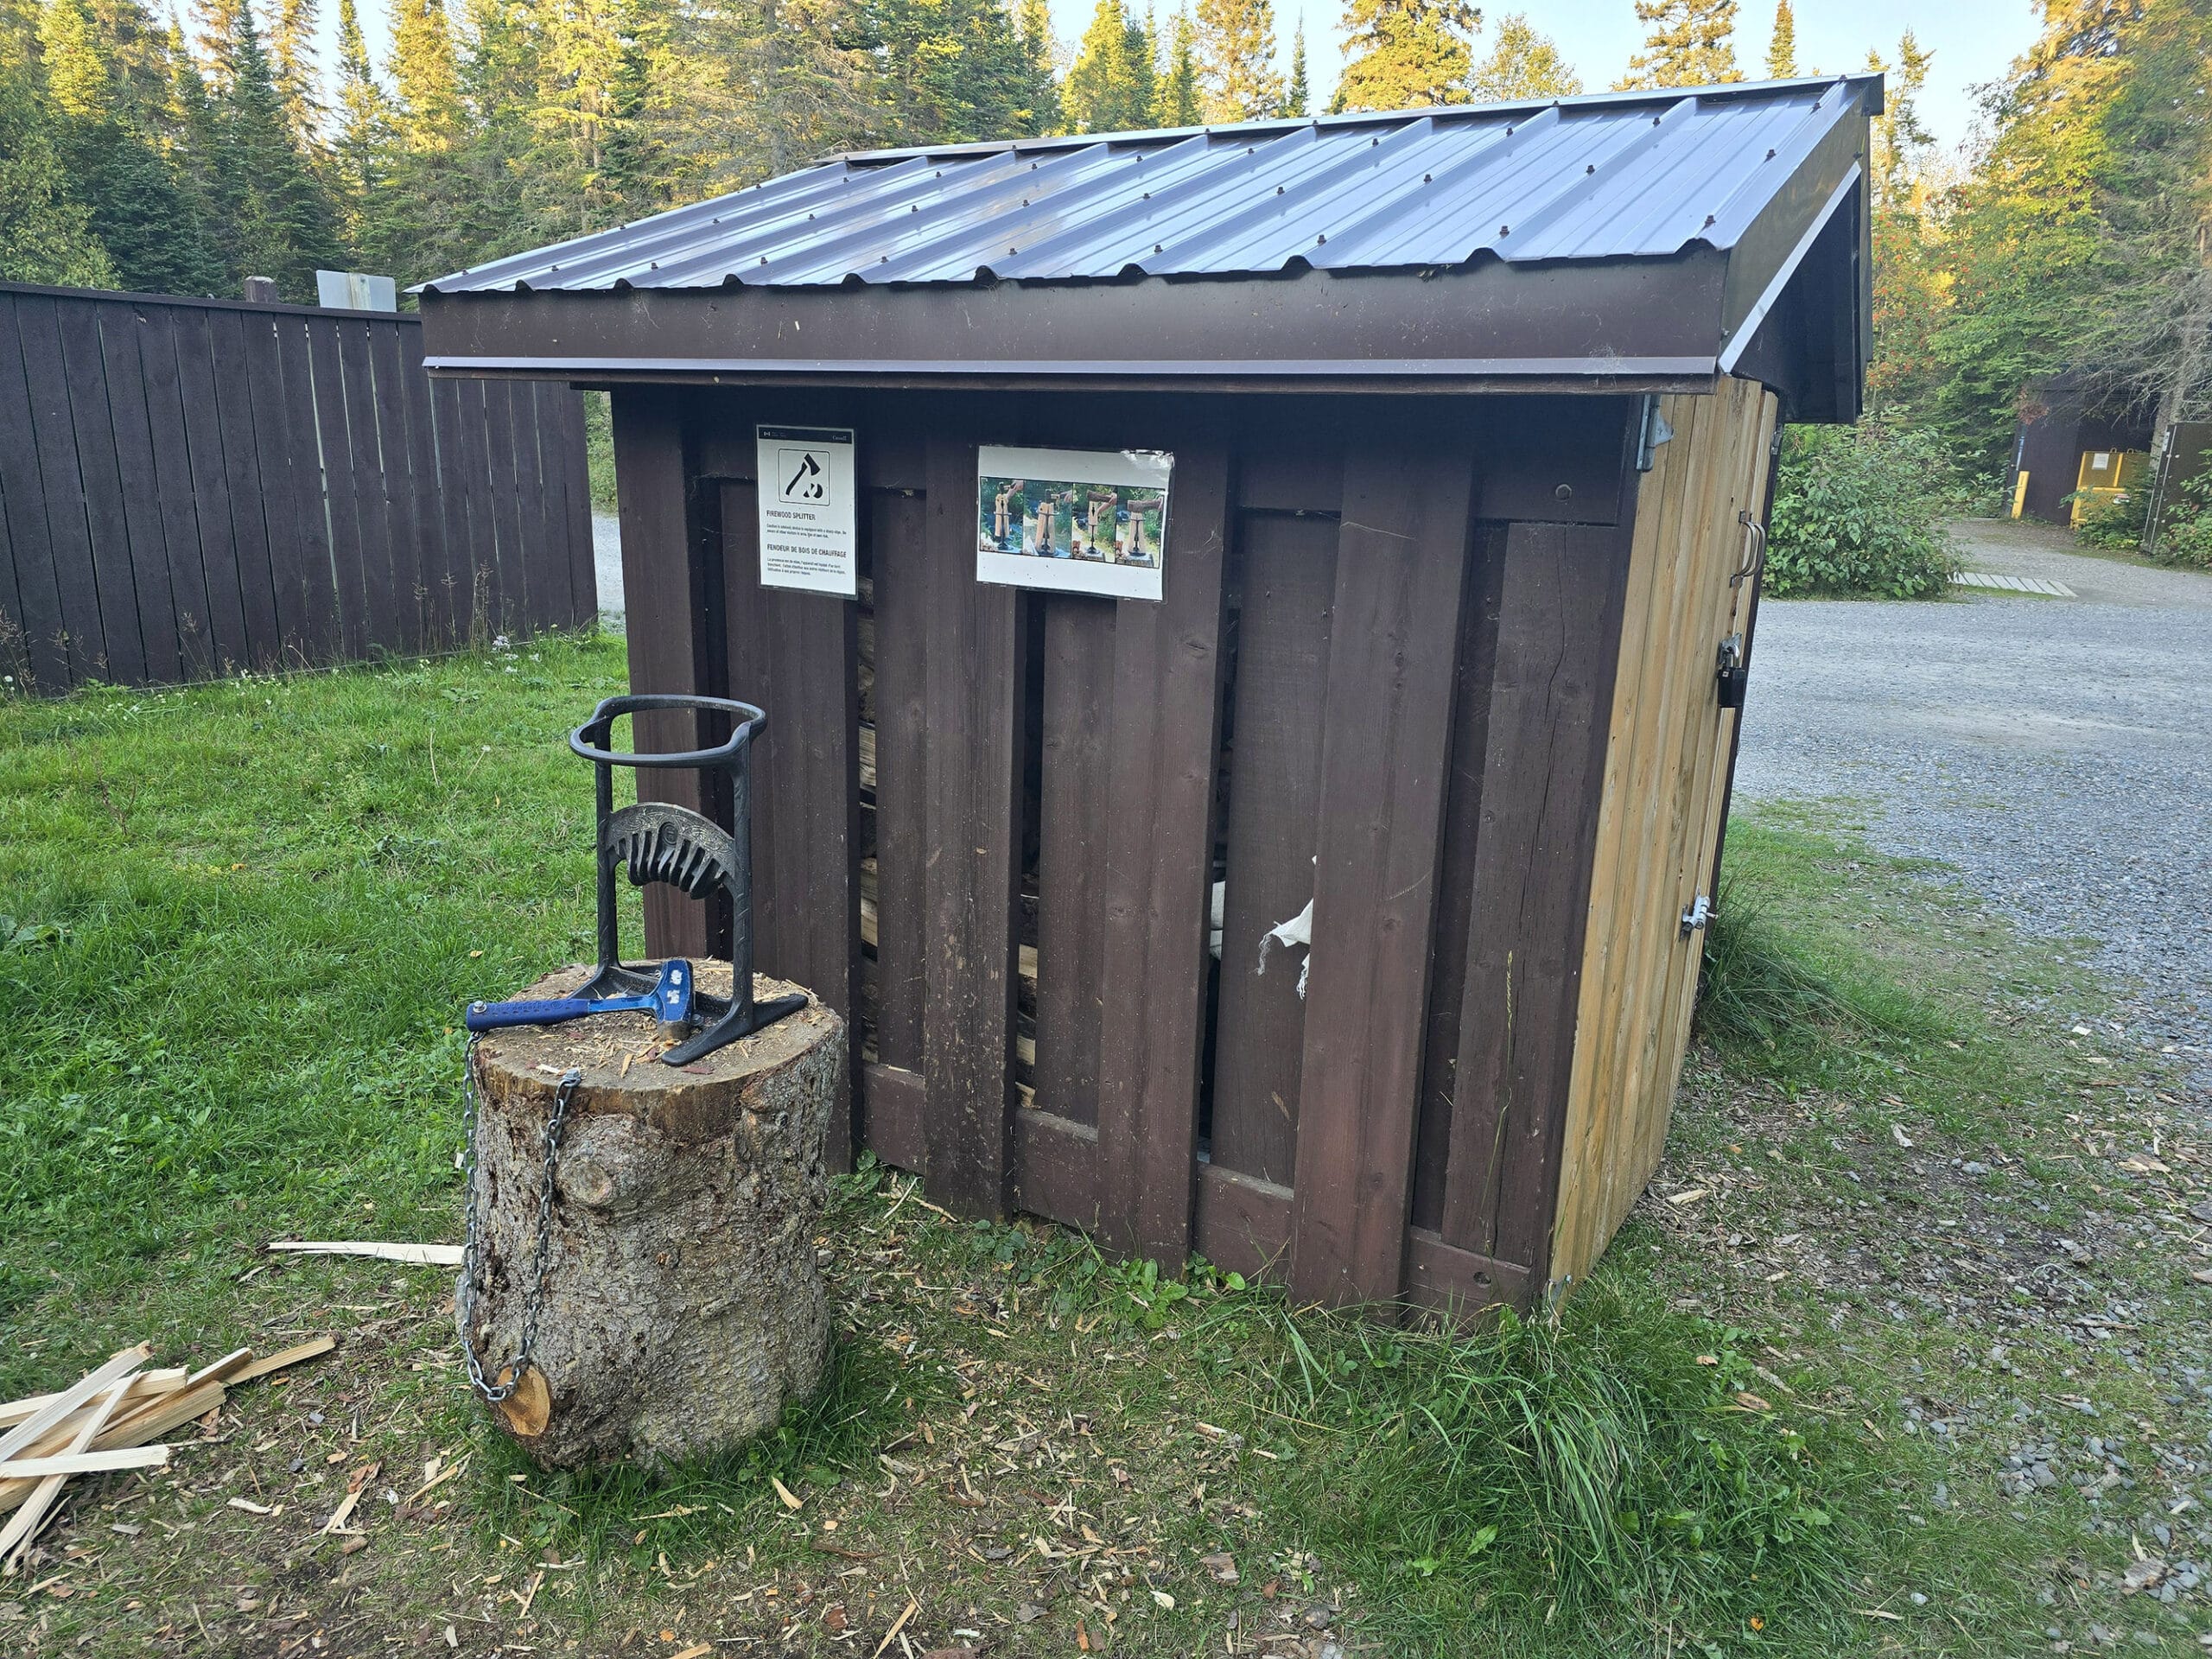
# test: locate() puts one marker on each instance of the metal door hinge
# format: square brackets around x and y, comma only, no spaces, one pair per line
[1698,914]
[1652,431]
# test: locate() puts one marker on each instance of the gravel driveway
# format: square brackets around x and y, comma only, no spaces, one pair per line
[2056,752]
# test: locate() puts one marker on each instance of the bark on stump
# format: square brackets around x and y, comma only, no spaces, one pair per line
[682,1305]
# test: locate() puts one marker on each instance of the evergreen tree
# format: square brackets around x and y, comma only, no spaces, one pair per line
[1109,87]
[292,63]
[362,125]
[1236,60]
[277,221]
[1405,53]
[1034,20]
[426,80]
[1298,99]
[955,70]
[151,229]
[1690,43]
[45,233]
[1523,64]
[1179,105]
[1781,45]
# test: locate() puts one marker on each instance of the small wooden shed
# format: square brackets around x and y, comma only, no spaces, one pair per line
[1337,913]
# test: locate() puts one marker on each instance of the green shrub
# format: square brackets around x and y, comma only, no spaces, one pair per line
[2186,527]
[2113,522]
[599,450]
[1856,511]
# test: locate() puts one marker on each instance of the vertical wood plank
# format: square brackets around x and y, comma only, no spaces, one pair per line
[1401,559]
[284,494]
[141,508]
[434,568]
[897,521]
[380,579]
[54,430]
[797,657]
[22,493]
[1455,882]
[460,577]
[1558,631]
[1287,587]
[321,632]
[575,460]
[543,513]
[1078,821]
[513,609]
[974,708]
[242,482]
[409,499]
[665,576]
[486,594]
[343,494]
[1153,886]
[100,484]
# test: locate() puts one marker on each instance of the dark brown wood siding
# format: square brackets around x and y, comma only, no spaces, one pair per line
[189,488]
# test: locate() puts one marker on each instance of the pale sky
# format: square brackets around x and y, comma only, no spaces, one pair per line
[1972,40]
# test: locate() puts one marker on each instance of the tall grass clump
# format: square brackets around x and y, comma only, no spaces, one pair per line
[1627,1467]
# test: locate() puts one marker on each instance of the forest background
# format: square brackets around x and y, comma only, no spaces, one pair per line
[2072,229]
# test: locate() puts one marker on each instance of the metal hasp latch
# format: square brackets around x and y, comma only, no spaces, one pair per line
[658,842]
[1698,914]
[1734,672]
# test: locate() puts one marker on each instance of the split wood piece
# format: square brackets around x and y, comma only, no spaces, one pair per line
[143,1386]
[60,1405]
[286,1358]
[684,1306]
[419,1255]
[15,1537]
[90,1462]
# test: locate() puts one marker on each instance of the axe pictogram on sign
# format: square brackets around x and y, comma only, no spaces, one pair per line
[806,482]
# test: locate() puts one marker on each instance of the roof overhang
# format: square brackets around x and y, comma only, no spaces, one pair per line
[1787,302]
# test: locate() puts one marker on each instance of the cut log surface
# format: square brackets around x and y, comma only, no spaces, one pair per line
[684,1306]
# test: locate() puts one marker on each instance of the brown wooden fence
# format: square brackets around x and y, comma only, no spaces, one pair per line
[192,487]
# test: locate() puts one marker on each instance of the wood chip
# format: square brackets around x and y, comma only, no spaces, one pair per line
[792,1500]
[342,1513]
[248,1504]
[1691,1197]
[912,1607]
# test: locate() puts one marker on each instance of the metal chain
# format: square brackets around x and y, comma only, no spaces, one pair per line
[464,1301]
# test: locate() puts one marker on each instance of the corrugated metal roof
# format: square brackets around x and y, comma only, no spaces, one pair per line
[1624,175]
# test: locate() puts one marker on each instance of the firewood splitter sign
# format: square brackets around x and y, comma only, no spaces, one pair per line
[807,499]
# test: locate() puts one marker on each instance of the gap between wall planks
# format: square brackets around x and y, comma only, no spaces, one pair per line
[1656,822]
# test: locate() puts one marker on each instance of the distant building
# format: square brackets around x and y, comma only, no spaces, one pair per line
[2071,437]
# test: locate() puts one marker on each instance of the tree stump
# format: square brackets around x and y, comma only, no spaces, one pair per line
[683,1304]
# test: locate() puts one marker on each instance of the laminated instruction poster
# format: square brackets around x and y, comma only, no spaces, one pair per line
[1076,521]
[807,509]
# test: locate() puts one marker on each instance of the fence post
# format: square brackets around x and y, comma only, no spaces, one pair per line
[262,290]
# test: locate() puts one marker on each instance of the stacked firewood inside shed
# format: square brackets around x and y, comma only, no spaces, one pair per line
[118,1416]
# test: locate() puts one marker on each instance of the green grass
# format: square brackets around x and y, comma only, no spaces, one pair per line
[242,920]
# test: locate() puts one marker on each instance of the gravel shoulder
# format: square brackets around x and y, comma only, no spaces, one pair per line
[2056,753]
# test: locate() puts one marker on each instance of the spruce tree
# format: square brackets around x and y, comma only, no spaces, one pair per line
[425,79]
[1178,88]
[1689,43]
[280,223]
[363,120]
[1297,99]
[46,232]
[139,209]
[1781,45]
[1405,53]
[1523,64]
[1033,20]
[292,64]
[1237,60]
[1109,87]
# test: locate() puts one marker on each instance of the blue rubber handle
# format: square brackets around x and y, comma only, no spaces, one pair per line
[490,1016]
